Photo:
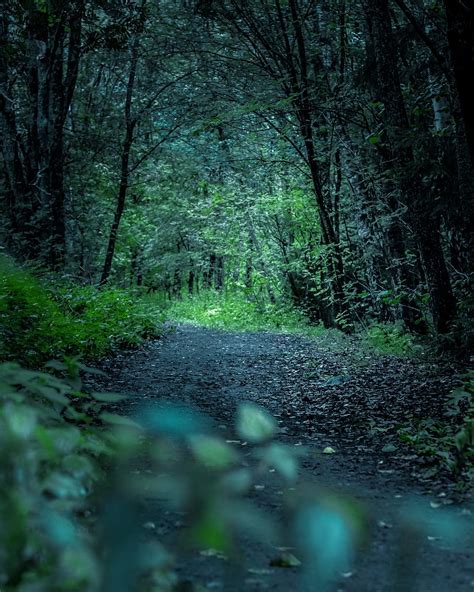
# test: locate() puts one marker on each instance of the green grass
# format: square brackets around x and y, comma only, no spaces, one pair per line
[42,319]
[237,312]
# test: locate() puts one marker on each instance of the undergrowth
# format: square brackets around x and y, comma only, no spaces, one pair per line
[51,454]
[446,445]
[391,338]
[238,312]
[41,319]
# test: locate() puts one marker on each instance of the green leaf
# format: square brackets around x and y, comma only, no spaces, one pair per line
[79,466]
[20,419]
[52,394]
[282,458]
[254,423]
[174,420]
[374,139]
[212,452]
[65,439]
[118,420]
[212,531]
[60,530]
[63,486]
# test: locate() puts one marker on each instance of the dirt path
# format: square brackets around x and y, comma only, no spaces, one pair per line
[322,397]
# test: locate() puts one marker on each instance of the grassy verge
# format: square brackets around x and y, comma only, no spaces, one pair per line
[41,319]
[237,312]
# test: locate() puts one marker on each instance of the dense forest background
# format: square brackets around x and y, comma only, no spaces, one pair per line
[313,152]
[303,166]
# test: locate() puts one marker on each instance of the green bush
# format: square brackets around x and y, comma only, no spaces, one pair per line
[447,444]
[41,319]
[107,319]
[50,464]
[239,312]
[390,338]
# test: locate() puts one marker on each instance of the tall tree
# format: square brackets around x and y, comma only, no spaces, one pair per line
[422,215]
[50,36]
[460,18]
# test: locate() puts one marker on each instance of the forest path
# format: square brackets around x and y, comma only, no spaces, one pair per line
[341,397]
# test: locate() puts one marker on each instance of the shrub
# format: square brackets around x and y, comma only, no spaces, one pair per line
[49,467]
[41,319]
[390,338]
[447,444]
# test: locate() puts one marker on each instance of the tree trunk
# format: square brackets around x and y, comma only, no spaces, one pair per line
[34,161]
[130,123]
[460,17]
[15,181]
[422,218]
[300,88]
[191,277]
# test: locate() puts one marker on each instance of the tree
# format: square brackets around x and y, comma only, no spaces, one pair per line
[50,36]
[422,215]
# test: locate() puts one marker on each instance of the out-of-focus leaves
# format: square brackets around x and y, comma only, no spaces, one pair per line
[282,458]
[325,539]
[212,452]
[108,397]
[238,481]
[443,523]
[153,555]
[250,521]
[64,439]
[20,420]
[118,420]
[212,531]
[173,420]
[78,466]
[63,486]
[254,423]
[60,530]
[79,568]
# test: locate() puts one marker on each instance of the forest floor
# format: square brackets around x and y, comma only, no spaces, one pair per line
[323,394]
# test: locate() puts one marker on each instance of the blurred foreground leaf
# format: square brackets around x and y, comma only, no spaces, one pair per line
[212,452]
[254,423]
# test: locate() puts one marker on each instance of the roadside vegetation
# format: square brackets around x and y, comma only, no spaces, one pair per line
[445,445]
[43,317]
[237,311]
